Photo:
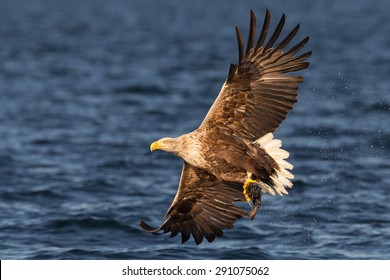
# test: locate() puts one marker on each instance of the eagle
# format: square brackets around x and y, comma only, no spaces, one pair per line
[232,156]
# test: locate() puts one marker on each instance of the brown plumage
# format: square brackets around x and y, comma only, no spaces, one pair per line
[235,143]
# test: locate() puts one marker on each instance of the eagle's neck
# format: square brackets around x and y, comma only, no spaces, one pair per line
[191,150]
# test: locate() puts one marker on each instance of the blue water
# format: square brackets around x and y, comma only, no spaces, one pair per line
[86,86]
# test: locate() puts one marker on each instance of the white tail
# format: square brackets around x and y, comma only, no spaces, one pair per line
[281,179]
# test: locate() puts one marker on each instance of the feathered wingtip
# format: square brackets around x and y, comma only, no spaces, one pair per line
[148,228]
[262,47]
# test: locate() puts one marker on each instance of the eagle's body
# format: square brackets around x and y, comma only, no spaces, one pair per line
[228,162]
[233,155]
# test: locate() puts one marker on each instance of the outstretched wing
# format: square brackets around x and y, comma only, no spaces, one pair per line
[258,94]
[203,206]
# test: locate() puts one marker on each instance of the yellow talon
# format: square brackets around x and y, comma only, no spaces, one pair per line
[246,186]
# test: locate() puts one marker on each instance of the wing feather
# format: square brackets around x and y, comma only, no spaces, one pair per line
[240,43]
[264,30]
[252,33]
[276,33]
[203,207]
[258,93]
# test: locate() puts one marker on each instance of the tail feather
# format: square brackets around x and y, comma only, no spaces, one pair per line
[281,178]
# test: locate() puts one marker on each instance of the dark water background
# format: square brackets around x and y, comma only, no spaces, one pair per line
[86,86]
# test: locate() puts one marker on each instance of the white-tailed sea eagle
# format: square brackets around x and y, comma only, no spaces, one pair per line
[233,155]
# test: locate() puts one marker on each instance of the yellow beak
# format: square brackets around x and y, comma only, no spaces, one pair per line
[155,146]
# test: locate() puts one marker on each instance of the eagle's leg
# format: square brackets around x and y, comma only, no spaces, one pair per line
[246,186]
[252,192]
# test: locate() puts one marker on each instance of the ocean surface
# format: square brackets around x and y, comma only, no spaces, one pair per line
[86,86]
